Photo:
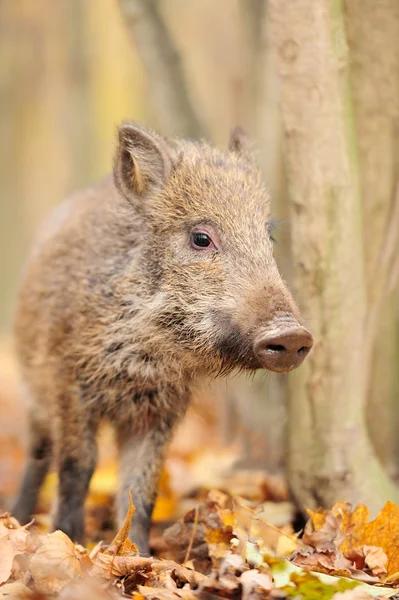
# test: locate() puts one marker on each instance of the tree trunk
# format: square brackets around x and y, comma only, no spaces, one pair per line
[329,453]
[373,38]
[174,111]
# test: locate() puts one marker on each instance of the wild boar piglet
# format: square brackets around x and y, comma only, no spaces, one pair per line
[136,289]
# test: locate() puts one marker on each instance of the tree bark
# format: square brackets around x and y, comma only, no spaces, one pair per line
[253,17]
[373,38]
[174,111]
[329,453]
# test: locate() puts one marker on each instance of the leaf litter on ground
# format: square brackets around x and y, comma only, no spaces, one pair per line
[222,548]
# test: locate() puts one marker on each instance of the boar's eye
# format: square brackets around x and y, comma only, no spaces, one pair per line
[201,240]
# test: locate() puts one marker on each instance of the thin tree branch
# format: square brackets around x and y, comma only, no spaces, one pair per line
[253,17]
[173,108]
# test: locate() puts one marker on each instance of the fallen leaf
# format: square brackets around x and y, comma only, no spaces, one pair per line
[327,528]
[207,530]
[194,578]
[348,530]
[307,585]
[166,502]
[283,571]
[88,589]
[55,563]
[382,532]
[355,594]
[7,553]
[13,541]
[332,562]
[254,584]
[371,557]
[121,544]
[157,594]
[14,590]
[109,566]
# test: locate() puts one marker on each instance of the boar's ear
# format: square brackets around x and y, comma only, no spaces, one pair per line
[239,142]
[143,162]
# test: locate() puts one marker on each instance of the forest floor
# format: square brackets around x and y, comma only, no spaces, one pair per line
[219,531]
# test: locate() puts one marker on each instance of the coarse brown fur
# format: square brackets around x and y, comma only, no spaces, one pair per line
[118,316]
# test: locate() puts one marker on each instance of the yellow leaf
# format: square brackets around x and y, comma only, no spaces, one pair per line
[318,518]
[286,544]
[383,532]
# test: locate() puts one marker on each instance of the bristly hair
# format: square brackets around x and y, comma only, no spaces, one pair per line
[228,368]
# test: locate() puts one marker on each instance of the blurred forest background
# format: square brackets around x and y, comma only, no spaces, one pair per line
[316,84]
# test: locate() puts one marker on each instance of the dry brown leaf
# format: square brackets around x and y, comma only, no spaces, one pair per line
[220,498]
[179,535]
[15,590]
[137,570]
[371,557]
[249,524]
[330,561]
[88,589]
[7,553]
[194,578]
[55,563]
[351,532]
[233,564]
[219,523]
[109,566]
[354,594]
[7,521]
[163,594]
[121,544]
[13,541]
[218,541]
[324,560]
[254,584]
[324,529]
[220,586]
[207,530]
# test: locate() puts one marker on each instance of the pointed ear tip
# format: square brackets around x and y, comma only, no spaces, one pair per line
[133,133]
[126,130]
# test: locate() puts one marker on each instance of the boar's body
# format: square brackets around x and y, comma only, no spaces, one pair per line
[136,288]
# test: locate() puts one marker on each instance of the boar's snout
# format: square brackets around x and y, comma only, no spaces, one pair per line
[283,351]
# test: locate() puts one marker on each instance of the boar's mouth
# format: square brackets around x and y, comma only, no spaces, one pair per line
[281,347]
[234,347]
[231,346]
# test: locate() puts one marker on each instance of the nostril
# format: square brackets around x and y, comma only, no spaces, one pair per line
[303,350]
[276,347]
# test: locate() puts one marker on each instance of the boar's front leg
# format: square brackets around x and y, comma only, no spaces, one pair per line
[76,456]
[40,456]
[141,457]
